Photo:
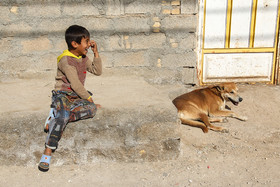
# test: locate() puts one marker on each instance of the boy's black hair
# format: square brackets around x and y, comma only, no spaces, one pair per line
[75,33]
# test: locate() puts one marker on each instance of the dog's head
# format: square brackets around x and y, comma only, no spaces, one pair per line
[229,92]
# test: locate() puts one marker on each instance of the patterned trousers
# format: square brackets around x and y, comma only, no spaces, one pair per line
[67,107]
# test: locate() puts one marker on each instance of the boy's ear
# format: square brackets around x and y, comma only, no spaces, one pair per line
[74,44]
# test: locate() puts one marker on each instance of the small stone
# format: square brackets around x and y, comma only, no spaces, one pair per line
[14,9]
[166,11]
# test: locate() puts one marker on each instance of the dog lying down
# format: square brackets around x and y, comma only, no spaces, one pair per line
[200,107]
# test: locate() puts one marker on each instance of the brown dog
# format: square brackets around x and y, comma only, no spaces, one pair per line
[202,106]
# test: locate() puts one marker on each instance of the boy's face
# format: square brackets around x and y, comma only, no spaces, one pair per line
[82,48]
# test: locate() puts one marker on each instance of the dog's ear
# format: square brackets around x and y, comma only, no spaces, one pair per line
[220,88]
[217,89]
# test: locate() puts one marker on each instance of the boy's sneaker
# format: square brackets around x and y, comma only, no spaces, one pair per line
[49,121]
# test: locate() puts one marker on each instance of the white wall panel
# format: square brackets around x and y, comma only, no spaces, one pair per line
[215,23]
[266,23]
[240,23]
[234,66]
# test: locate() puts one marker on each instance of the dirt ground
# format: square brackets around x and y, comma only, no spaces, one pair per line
[248,155]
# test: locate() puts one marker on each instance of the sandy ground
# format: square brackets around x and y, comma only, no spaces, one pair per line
[249,155]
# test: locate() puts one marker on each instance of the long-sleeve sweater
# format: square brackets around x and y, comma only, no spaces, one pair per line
[71,73]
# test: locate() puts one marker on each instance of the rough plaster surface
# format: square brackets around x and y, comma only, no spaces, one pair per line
[129,33]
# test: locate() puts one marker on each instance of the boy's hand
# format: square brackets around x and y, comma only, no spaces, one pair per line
[90,99]
[97,105]
[93,46]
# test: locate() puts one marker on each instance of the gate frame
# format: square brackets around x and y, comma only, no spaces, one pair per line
[275,79]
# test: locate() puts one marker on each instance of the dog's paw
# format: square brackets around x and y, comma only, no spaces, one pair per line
[205,130]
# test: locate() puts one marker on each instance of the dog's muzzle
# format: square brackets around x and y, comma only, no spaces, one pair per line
[236,102]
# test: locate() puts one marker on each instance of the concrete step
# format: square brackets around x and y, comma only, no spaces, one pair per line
[143,134]
[146,130]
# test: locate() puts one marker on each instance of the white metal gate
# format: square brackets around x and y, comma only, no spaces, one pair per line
[238,40]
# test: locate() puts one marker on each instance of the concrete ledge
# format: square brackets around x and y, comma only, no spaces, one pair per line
[137,122]
[121,135]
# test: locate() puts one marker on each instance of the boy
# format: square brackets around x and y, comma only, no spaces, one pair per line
[70,100]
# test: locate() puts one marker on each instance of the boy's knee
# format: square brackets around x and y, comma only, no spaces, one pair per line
[89,111]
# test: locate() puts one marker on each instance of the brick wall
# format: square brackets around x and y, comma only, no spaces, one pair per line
[151,38]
